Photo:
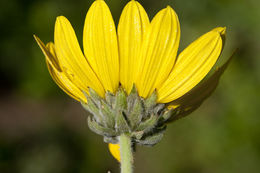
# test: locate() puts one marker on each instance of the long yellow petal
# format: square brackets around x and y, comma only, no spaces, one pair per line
[158,51]
[115,151]
[71,58]
[133,24]
[100,45]
[192,65]
[195,97]
[55,71]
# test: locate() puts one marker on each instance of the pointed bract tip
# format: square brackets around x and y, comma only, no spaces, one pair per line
[134,89]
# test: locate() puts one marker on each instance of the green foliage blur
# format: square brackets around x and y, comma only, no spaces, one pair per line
[42,130]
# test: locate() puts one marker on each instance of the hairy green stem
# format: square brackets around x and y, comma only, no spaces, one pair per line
[126,154]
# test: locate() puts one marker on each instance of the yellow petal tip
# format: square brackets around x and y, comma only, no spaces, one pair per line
[221,30]
[59,18]
[99,0]
[168,8]
[132,2]
[37,39]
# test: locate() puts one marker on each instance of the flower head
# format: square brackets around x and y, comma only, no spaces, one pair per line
[139,53]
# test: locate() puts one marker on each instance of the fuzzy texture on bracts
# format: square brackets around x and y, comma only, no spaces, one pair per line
[144,120]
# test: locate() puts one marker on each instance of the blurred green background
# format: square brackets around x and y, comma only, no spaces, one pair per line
[42,130]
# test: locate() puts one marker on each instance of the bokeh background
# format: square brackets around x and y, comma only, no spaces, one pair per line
[42,130]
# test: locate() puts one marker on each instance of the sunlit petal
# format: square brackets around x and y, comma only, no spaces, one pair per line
[158,51]
[100,45]
[133,25]
[192,65]
[71,58]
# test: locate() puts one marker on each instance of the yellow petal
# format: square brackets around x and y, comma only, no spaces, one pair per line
[158,51]
[100,45]
[55,71]
[133,24]
[192,66]
[115,151]
[195,97]
[52,60]
[71,58]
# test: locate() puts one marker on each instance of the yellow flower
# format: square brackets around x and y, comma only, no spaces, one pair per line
[140,52]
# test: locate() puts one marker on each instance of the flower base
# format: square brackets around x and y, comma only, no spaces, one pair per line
[143,120]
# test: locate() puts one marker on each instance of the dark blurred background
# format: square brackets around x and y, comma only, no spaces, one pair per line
[42,130]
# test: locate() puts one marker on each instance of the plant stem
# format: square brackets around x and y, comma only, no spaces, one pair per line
[126,154]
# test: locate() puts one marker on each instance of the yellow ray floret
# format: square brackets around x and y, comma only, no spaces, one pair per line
[71,58]
[100,45]
[192,65]
[158,51]
[132,27]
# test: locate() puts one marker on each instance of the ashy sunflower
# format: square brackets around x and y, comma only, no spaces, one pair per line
[131,80]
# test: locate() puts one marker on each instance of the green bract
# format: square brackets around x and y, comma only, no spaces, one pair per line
[143,120]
